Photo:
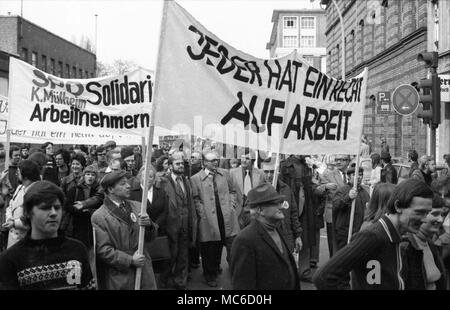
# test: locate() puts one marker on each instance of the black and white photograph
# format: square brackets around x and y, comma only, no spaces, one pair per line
[224,150]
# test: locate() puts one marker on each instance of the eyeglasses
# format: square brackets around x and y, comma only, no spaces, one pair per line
[341,159]
[101,154]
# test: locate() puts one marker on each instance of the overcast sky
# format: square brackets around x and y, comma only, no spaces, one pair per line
[129,30]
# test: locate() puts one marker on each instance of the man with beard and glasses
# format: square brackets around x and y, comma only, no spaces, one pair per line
[181,222]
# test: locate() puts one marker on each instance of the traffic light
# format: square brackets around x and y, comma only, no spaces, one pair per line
[430,97]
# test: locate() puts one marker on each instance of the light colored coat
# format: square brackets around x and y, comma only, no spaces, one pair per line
[205,204]
[237,179]
[14,212]
[116,240]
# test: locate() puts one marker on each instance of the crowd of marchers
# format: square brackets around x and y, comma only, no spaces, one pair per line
[71,219]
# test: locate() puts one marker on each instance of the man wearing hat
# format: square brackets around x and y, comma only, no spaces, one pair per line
[388,173]
[260,257]
[342,205]
[109,145]
[127,154]
[116,225]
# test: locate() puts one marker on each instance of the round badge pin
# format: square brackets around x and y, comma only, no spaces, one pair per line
[133,217]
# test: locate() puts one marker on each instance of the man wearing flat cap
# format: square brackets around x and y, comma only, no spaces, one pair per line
[388,173]
[260,257]
[116,225]
[342,204]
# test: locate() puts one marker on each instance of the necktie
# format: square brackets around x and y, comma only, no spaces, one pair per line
[180,184]
[122,207]
[247,183]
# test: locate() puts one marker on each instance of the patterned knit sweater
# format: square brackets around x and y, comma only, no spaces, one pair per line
[49,264]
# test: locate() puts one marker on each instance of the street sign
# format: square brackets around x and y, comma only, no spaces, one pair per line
[405,99]
[384,102]
[445,87]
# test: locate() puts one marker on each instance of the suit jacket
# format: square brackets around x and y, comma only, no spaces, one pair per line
[205,205]
[158,209]
[237,180]
[117,238]
[342,205]
[329,176]
[257,263]
[179,217]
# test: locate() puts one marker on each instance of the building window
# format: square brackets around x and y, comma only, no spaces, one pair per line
[24,55]
[80,73]
[34,59]
[44,63]
[86,74]
[290,22]
[307,41]
[290,41]
[74,72]
[52,66]
[59,71]
[308,22]
[67,71]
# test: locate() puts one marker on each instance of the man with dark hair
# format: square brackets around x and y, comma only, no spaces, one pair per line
[24,151]
[244,179]
[373,254]
[44,259]
[413,156]
[51,170]
[62,158]
[388,173]
[260,256]
[127,155]
[116,224]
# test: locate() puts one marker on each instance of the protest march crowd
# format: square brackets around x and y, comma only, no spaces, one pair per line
[71,218]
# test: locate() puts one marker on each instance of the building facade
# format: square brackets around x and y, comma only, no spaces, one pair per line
[42,49]
[386,36]
[301,30]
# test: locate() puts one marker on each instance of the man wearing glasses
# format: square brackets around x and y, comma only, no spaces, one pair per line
[181,222]
[101,162]
[217,219]
[260,256]
[244,178]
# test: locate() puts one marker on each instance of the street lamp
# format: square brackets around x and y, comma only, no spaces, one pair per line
[325,3]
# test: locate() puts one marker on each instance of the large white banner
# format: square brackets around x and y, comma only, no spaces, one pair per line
[210,89]
[43,107]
